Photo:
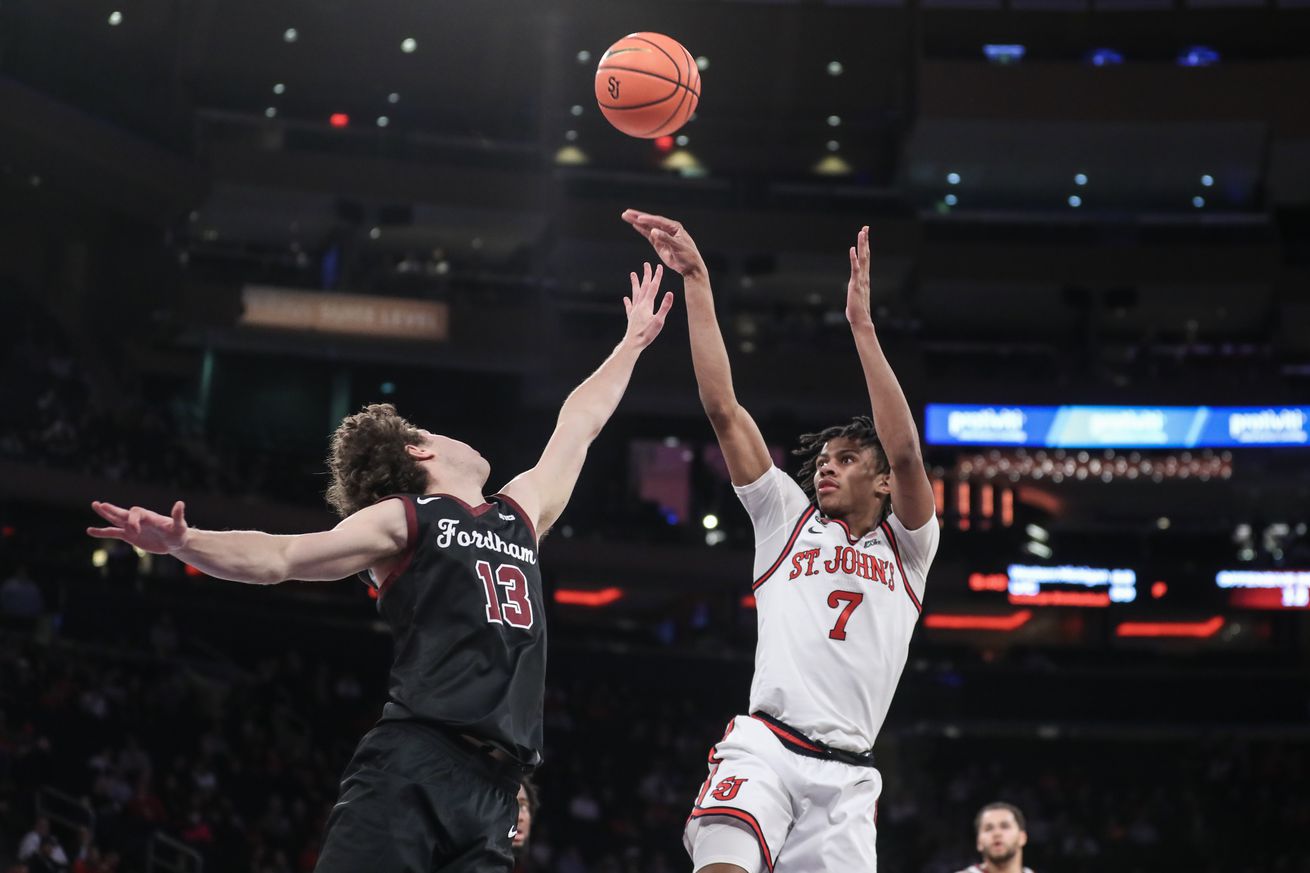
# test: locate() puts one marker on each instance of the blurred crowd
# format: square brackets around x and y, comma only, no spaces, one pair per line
[65,404]
[239,762]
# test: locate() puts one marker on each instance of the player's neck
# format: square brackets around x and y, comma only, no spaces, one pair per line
[861,521]
[467,490]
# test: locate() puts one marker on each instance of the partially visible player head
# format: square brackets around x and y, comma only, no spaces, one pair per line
[527,812]
[376,452]
[1002,833]
[845,470]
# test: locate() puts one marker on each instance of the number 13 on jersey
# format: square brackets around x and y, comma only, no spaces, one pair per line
[516,610]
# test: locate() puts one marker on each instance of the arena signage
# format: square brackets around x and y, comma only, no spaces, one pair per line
[1127,427]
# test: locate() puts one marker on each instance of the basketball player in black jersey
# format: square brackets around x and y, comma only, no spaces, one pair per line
[433,786]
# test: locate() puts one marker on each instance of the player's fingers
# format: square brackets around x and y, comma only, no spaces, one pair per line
[105,533]
[633,218]
[668,225]
[636,286]
[656,279]
[665,305]
[134,519]
[645,275]
[179,515]
[627,305]
[109,512]
[663,244]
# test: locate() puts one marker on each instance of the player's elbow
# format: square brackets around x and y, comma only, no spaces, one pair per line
[721,410]
[904,455]
[281,566]
[580,420]
[581,423]
[272,575]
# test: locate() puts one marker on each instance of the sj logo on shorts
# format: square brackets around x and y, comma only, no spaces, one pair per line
[728,788]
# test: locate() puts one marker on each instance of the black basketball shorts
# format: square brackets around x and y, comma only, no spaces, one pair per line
[416,799]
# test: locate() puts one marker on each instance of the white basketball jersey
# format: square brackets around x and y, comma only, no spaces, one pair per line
[835,614]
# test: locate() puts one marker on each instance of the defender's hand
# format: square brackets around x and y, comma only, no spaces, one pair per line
[644,322]
[148,531]
[670,239]
[857,288]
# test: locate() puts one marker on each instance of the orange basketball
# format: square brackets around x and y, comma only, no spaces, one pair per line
[647,85]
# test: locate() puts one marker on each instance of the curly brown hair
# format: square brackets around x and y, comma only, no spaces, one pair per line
[368,461]
[861,431]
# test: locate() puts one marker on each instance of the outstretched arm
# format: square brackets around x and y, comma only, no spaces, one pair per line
[359,542]
[911,491]
[739,437]
[544,491]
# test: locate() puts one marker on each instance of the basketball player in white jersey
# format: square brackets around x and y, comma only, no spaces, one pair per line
[840,565]
[1001,833]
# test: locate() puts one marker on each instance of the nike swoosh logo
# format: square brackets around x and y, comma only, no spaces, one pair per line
[816,530]
[425,499]
[514,832]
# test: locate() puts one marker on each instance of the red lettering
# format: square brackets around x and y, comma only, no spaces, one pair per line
[728,788]
[811,554]
[832,566]
[867,564]
[795,565]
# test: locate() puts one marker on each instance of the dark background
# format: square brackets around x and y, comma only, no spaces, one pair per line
[149,171]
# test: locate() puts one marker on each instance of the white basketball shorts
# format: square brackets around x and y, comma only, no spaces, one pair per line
[808,814]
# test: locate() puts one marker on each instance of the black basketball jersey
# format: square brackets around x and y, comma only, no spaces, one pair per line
[467,614]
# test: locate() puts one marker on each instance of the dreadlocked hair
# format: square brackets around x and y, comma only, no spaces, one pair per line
[367,459]
[861,431]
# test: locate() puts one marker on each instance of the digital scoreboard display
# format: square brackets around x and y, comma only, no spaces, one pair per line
[1118,427]
[1266,589]
[1026,584]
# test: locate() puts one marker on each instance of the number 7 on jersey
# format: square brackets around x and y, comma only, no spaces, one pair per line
[852,599]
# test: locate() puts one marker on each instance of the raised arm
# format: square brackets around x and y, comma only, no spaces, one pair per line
[911,491]
[544,491]
[359,542]
[739,437]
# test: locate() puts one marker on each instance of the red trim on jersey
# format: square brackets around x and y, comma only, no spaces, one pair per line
[786,550]
[852,540]
[470,509]
[896,553]
[532,528]
[790,736]
[411,543]
[740,815]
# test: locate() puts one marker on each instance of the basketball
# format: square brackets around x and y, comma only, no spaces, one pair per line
[647,85]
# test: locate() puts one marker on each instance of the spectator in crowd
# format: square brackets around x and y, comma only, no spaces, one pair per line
[49,858]
[20,597]
[527,799]
[30,845]
[1001,833]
